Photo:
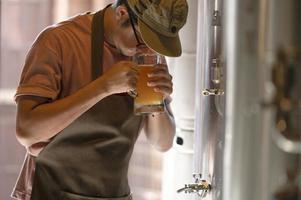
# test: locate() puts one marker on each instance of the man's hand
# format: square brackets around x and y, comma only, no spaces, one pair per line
[161,80]
[121,77]
[39,119]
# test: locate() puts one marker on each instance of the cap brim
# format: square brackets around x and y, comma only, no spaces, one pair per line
[168,46]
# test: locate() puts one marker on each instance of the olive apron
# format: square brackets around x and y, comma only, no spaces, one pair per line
[89,159]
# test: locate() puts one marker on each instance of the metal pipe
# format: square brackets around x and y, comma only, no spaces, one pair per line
[287,145]
[209,124]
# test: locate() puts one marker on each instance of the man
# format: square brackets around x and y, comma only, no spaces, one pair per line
[73,109]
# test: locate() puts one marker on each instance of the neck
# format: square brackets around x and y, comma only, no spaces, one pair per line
[109,26]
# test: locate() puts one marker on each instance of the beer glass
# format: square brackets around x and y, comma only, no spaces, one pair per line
[147,100]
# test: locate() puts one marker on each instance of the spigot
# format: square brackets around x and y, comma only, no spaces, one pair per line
[201,187]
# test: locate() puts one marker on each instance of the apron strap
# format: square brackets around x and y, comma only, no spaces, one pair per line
[97,40]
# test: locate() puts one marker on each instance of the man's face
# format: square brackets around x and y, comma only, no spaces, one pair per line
[126,42]
[125,39]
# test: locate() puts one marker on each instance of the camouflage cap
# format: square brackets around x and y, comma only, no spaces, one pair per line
[159,22]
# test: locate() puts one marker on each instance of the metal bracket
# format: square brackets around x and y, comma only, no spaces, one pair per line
[213,92]
[216,20]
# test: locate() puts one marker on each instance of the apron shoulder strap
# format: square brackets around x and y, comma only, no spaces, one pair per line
[97,40]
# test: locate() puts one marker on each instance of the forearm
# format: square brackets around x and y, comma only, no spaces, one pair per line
[39,120]
[46,120]
[160,130]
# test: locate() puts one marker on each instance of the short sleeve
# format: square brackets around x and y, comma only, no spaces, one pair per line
[41,75]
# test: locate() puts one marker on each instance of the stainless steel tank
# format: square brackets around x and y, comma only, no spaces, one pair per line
[247,143]
[262,138]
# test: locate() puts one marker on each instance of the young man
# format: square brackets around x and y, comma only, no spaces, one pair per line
[74,113]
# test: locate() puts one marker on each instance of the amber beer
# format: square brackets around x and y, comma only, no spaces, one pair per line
[147,100]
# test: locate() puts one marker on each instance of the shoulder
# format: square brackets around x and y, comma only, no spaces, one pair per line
[57,35]
[78,23]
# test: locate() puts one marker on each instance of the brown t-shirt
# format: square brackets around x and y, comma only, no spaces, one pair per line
[59,62]
[57,65]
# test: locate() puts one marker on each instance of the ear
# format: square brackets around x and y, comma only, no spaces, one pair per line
[121,14]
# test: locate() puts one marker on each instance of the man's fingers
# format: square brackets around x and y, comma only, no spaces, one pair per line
[166,91]
[160,74]
[160,82]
